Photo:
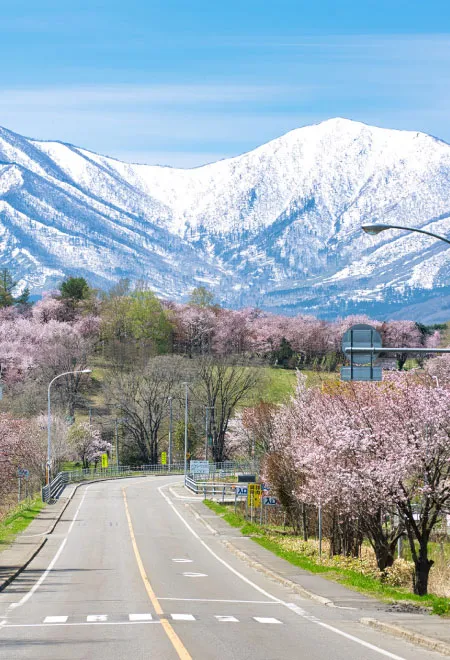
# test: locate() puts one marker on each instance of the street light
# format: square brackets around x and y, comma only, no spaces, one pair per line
[49,418]
[375,229]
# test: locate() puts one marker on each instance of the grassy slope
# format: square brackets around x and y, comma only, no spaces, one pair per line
[349,578]
[18,520]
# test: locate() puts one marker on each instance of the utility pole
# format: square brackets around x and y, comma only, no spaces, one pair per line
[185,429]
[170,431]
[117,443]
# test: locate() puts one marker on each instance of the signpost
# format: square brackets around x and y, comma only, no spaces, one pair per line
[199,467]
[22,473]
[361,336]
[254,495]
[163,458]
[267,500]
[104,460]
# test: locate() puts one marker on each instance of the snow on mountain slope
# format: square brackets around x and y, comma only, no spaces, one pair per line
[278,226]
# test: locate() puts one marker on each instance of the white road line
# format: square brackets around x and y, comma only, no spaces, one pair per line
[183,561]
[140,617]
[223,600]
[194,575]
[211,551]
[93,618]
[266,619]
[83,623]
[55,619]
[223,618]
[182,617]
[37,584]
[291,606]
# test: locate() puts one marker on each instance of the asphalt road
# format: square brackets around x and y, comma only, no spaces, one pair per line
[130,573]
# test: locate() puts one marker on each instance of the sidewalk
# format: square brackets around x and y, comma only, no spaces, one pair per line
[26,545]
[429,631]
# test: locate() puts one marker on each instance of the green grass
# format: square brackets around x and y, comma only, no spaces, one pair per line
[349,578]
[19,519]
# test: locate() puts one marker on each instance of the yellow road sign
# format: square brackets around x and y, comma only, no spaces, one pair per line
[254,495]
[163,458]
[104,460]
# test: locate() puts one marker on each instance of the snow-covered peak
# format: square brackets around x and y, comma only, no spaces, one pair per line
[278,226]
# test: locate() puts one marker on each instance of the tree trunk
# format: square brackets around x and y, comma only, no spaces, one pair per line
[422,570]
[304,522]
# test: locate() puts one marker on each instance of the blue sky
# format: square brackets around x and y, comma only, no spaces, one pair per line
[186,82]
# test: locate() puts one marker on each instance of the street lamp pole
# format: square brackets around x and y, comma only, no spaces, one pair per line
[375,229]
[170,432]
[49,417]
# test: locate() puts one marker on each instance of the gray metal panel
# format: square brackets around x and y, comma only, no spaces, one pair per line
[361,336]
[362,373]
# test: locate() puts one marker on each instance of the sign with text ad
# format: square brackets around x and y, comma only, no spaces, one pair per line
[163,458]
[241,491]
[254,495]
[104,460]
[267,500]
[199,467]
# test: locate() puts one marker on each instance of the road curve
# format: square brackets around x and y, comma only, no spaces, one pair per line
[130,573]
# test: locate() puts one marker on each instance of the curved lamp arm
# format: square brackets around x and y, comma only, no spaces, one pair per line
[373,230]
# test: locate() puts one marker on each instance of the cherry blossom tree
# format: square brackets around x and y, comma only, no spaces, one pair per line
[371,450]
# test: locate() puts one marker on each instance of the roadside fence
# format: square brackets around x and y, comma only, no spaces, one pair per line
[222,470]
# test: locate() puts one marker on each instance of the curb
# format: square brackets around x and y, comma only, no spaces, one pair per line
[416,638]
[286,582]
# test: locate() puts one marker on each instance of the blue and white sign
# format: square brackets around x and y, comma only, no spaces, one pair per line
[241,491]
[199,467]
[22,473]
[267,500]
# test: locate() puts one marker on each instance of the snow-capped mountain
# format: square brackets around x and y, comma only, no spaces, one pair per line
[278,227]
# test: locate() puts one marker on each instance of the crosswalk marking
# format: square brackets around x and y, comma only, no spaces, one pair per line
[55,619]
[182,617]
[140,617]
[94,618]
[266,619]
[143,617]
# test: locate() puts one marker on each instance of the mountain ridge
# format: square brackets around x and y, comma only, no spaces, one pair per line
[278,226]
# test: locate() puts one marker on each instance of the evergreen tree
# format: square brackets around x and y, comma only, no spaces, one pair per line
[75,288]
[7,285]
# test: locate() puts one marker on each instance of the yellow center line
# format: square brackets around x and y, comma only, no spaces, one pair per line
[177,644]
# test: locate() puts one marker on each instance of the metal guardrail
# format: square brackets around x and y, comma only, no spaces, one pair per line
[52,490]
[208,488]
[217,470]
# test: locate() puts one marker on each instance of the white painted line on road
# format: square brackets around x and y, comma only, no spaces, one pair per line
[266,619]
[182,617]
[55,619]
[183,561]
[222,600]
[93,618]
[36,586]
[290,606]
[211,551]
[223,618]
[195,575]
[140,617]
[83,623]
